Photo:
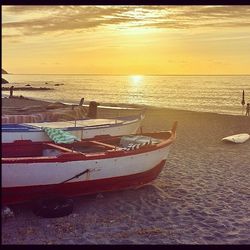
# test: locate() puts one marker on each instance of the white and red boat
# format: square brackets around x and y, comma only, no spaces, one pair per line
[36,170]
[86,128]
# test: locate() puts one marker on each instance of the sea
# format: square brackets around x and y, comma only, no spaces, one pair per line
[202,93]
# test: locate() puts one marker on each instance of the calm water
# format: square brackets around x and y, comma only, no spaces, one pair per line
[218,94]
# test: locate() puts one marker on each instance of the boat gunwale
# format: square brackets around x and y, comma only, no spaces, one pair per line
[79,156]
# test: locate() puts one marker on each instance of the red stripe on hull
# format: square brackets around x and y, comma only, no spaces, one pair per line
[23,194]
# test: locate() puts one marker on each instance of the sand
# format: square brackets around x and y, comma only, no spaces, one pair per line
[202,196]
[17,102]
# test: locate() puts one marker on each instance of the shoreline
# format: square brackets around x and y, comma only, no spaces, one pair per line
[124,106]
[28,88]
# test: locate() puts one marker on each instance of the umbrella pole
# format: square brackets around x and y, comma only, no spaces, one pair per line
[243,101]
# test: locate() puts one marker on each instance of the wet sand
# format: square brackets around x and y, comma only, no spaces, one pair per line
[202,196]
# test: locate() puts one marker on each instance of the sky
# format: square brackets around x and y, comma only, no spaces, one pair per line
[131,40]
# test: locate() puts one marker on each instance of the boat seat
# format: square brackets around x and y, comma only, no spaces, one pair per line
[60,148]
[105,145]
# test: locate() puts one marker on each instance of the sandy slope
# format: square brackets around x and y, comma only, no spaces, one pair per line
[201,197]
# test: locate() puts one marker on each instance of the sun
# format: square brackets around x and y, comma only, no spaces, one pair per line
[136,79]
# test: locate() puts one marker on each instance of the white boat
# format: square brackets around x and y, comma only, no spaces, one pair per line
[37,170]
[82,129]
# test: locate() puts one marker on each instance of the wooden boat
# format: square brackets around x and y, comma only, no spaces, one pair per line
[82,129]
[36,170]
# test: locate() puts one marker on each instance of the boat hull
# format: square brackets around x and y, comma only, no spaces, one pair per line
[86,130]
[13,195]
[28,174]
[69,176]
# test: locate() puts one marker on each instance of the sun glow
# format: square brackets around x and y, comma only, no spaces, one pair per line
[136,79]
[126,40]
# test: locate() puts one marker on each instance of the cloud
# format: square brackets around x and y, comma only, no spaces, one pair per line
[62,18]
[183,17]
[36,20]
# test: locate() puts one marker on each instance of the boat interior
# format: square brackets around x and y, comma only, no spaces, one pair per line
[27,148]
[50,149]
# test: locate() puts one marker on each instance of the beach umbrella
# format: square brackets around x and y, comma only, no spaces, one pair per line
[243,100]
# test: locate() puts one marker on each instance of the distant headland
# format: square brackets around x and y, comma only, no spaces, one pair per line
[4,71]
[3,80]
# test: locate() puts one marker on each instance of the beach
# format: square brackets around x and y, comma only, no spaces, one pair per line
[202,196]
